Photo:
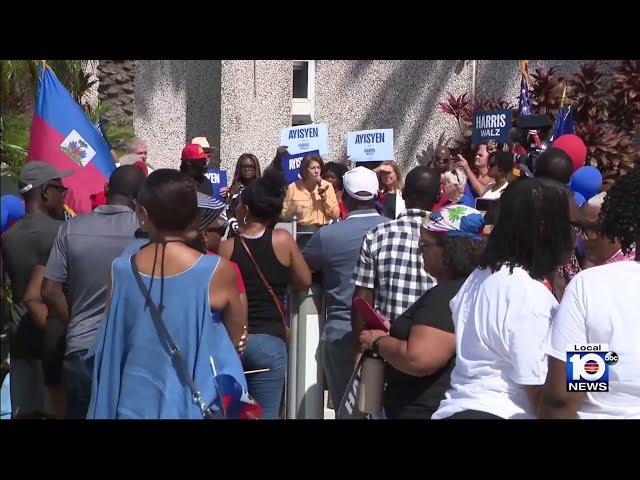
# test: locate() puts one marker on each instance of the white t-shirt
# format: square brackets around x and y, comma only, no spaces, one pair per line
[602,305]
[494,195]
[501,322]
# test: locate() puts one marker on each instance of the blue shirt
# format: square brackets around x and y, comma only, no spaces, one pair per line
[134,374]
[334,250]
[469,197]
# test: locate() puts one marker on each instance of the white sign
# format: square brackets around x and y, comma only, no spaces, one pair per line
[306,138]
[370,145]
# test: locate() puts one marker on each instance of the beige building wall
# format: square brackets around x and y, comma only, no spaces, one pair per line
[241,105]
[256,106]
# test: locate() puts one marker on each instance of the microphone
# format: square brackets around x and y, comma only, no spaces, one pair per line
[321,189]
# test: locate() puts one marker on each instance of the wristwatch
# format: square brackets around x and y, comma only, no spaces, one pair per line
[376,344]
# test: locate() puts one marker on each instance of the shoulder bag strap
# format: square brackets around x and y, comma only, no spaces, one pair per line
[275,298]
[156,315]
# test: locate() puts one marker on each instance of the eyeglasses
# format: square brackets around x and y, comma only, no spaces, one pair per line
[588,233]
[428,244]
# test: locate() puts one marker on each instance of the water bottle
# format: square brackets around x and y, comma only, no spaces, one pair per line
[371,386]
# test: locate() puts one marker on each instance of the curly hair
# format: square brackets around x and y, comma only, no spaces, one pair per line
[265,196]
[532,230]
[620,214]
[461,255]
[338,169]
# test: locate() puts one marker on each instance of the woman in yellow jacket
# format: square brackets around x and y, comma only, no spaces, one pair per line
[311,200]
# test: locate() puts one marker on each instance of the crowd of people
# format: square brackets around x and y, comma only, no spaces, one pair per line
[483,271]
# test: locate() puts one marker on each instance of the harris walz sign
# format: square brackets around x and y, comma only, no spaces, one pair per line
[491,125]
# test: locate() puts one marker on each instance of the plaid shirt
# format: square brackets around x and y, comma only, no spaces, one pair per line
[391,263]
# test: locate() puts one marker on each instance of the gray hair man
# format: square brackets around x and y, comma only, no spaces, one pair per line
[137,146]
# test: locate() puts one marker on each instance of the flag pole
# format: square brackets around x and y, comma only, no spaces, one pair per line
[217,387]
[524,72]
[564,95]
[474,78]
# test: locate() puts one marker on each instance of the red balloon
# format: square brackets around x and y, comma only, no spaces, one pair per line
[573,146]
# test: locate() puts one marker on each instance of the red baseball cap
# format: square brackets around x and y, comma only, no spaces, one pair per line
[142,166]
[193,151]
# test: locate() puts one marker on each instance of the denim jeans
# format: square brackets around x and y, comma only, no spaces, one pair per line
[266,351]
[77,374]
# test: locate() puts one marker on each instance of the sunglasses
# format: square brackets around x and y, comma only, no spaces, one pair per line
[61,188]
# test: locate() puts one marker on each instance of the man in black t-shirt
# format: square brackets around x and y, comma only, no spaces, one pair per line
[24,246]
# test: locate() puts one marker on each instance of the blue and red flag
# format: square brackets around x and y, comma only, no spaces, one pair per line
[564,123]
[63,135]
[11,210]
[237,404]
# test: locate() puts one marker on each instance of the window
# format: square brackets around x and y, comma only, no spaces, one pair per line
[302,101]
[300,80]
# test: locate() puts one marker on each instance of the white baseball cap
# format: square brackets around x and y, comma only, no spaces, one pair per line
[202,141]
[130,159]
[361,183]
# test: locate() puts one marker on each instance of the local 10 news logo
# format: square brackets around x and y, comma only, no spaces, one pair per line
[588,367]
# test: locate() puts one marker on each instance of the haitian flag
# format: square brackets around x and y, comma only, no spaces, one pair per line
[63,135]
[237,404]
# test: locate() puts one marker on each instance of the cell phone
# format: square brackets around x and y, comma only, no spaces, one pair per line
[372,318]
[485,204]
[491,209]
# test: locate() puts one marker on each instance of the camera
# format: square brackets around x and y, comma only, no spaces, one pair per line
[521,134]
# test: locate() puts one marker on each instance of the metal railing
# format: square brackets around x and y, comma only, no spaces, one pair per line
[304,398]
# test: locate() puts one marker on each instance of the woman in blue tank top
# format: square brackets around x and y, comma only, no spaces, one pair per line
[135,376]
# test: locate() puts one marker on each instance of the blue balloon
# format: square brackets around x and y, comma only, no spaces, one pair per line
[12,208]
[587,181]
[579,198]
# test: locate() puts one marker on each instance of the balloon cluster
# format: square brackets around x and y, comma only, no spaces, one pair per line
[12,210]
[585,180]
